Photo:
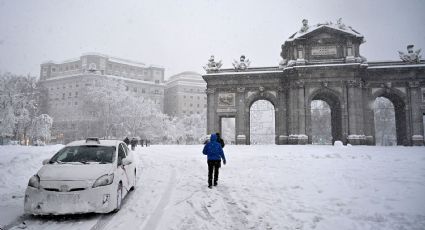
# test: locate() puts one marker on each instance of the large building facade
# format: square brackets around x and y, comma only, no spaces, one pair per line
[185,94]
[320,62]
[65,84]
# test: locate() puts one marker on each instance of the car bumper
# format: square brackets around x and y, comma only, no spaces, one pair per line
[99,200]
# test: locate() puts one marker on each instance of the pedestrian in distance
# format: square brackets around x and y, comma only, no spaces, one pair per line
[220,140]
[133,143]
[214,153]
[126,141]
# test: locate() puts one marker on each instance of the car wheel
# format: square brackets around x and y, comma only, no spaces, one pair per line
[119,198]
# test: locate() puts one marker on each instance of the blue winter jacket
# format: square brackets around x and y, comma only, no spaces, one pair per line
[213,149]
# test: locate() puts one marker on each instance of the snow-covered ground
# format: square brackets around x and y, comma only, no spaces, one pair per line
[261,187]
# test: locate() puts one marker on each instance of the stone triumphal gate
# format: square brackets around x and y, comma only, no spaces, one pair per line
[320,62]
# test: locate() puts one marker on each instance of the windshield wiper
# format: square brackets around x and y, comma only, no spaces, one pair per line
[84,162]
[55,161]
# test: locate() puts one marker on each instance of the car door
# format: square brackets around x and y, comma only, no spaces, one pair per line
[122,171]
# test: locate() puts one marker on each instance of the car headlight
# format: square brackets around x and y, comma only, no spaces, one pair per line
[34,181]
[104,180]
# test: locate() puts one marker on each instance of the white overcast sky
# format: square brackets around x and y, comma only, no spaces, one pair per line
[180,35]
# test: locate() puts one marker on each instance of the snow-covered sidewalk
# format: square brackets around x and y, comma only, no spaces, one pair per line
[261,187]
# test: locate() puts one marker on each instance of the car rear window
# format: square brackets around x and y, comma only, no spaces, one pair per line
[85,154]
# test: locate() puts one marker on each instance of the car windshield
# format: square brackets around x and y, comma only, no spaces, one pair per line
[85,154]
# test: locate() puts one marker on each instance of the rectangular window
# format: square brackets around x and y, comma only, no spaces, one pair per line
[349,51]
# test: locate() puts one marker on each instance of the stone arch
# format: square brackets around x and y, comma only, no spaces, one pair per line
[399,101]
[335,102]
[256,97]
[261,96]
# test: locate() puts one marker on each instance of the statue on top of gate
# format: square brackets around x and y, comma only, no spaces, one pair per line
[411,56]
[242,64]
[212,65]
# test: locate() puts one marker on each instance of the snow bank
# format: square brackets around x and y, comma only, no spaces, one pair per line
[17,165]
[260,187]
[338,144]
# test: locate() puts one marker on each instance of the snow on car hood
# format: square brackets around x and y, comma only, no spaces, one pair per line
[73,171]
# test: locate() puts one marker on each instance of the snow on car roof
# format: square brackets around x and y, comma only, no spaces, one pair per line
[102,142]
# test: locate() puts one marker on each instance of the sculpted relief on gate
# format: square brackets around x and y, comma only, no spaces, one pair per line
[226,102]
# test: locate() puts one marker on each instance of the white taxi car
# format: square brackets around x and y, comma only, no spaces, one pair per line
[85,176]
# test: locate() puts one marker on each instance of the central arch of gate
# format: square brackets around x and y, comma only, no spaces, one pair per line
[335,102]
[320,62]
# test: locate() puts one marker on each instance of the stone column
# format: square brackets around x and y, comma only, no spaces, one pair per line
[241,119]
[369,116]
[344,112]
[416,114]
[281,119]
[297,132]
[355,113]
[212,125]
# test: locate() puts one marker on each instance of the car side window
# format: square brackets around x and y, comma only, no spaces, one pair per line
[121,154]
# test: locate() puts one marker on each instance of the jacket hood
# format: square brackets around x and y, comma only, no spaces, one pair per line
[213,137]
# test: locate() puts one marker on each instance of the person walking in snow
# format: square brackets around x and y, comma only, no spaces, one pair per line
[126,141]
[214,153]
[133,143]
[220,140]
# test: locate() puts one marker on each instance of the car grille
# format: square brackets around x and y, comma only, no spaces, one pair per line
[58,190]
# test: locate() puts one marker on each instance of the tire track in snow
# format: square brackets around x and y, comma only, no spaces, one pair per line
[237,214]
[16,222]
[156,216]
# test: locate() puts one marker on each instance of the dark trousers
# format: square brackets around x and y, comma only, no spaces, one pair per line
[213,165]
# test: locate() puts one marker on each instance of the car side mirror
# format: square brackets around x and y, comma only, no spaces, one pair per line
[46,161]
[126,161]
